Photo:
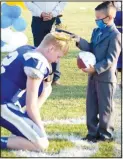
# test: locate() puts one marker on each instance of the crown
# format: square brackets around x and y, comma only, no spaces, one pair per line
[61,36]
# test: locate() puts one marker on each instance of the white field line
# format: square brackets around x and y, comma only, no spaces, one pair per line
[66,121]
[81,148]
[117,134]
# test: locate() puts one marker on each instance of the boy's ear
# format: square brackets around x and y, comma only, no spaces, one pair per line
[51,48]
[111,17]
[108,19]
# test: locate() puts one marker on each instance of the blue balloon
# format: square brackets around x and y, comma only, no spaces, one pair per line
[19,24]
[10,11]
[6,21]
[15,12]
[2,43]
[5,9]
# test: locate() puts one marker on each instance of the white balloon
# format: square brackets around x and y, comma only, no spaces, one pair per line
[6,34]
[88,58]
[18,39]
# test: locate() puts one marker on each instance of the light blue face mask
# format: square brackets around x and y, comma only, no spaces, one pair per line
[100,23]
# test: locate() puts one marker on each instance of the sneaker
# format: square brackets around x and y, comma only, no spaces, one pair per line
[90,138]
[102,138]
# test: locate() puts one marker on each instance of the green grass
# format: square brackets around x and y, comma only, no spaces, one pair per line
[68,100]
[57,145]
[106,149]
[7,153]
[79,130]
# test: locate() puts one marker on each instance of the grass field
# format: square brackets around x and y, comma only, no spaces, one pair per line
[67,102]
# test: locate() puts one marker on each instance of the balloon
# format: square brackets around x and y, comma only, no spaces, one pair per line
[11,11]
[11,40]
[19,24]
[4,8]
[21,4]
[6,34]
[18,39]
[5,21]
[15,12]
[2,43]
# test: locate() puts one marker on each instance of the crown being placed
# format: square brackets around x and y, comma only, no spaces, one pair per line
[61,36]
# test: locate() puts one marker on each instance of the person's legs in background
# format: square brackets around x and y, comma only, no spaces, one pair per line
[58,21]
[41,28]
[55,69]
[38,28]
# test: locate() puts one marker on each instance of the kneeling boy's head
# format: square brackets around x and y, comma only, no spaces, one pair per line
[54,46]
[105,15]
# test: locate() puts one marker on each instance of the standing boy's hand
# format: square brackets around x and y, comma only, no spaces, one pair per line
[75,37]
[89,70]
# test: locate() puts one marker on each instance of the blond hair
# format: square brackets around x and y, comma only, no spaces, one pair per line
[59,40]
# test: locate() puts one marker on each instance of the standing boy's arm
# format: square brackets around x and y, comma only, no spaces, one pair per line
[112,54]
[83,44]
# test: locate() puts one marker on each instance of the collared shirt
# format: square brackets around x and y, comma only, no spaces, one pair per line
[37,8]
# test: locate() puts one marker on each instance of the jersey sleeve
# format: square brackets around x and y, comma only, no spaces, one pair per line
[35,65]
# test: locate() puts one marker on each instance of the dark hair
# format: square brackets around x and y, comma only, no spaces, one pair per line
[110,3]
[104,5]
[108,7]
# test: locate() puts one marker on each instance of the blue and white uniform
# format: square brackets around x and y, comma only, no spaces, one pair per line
[15,68]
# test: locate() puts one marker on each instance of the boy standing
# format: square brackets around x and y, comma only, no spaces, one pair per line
[106,46]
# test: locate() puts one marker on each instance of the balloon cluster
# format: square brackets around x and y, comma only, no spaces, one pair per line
[11,20]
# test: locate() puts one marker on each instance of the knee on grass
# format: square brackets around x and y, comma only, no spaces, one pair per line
[42,144]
